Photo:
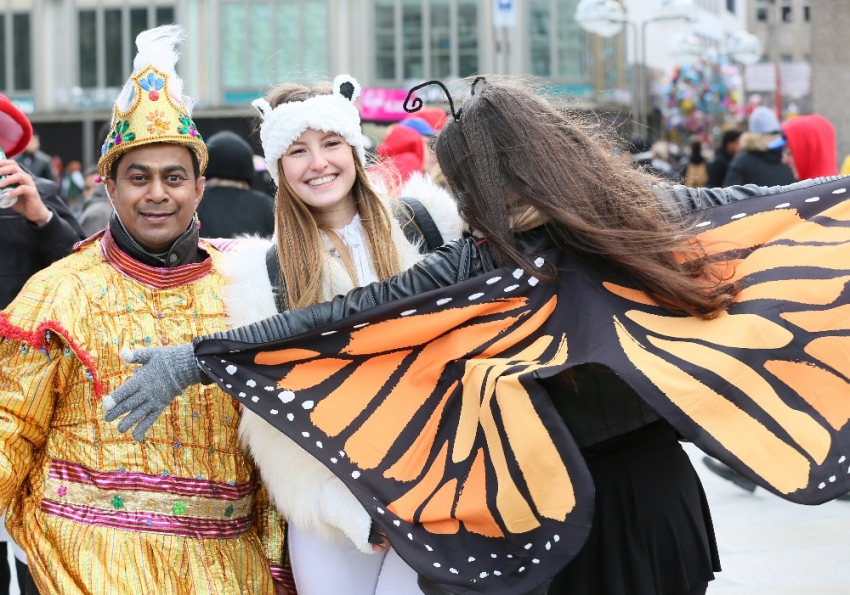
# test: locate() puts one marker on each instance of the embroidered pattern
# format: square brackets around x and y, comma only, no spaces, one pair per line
[158,122]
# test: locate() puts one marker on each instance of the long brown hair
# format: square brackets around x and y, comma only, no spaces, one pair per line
[512,151]
[299,244]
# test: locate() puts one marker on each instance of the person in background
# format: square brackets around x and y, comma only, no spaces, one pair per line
[696,175]
[760,160]
[811,140]
[35,161]
[643,156]
[403,147]
[730,144]
[34,232]
[96,207]
[230,208]
[661,156]
[72,186]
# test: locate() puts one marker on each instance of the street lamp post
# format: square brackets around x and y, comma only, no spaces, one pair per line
[607,17]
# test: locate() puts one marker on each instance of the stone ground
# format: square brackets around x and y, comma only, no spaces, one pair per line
[772,547]
[769,546]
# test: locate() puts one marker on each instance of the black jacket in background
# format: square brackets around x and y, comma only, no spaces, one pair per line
[717,169]
[26,249]
[38,164]
[762,168]
[227,211]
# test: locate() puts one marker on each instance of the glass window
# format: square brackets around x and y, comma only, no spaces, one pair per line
[3,81]
[411,35]
[88,48]
[385,39]
[112,35]
[164,15]
[138,23]
[233,45]
[314,27]
[807,11]
[541,58]
[21,52]
[467,37]
[787,13]
[571,42]
[289,47]
[260,49]
[441,39]
[730,6]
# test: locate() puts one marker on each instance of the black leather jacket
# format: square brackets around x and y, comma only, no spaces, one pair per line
[458,261]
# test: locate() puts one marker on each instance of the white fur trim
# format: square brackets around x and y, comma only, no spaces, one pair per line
[341,509]
[330,113]
[302,488]
[439,203]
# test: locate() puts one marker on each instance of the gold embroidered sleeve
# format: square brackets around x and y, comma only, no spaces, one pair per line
[27,396]
[271,528]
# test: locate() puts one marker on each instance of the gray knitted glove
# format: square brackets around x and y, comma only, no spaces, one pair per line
[166,373]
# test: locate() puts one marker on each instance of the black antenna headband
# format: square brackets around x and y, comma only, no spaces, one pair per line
[414,104]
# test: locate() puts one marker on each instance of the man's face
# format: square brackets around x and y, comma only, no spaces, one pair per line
[34,145]
[155,194]
[90,185]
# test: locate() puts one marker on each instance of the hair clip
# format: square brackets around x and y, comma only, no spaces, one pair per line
[417,104]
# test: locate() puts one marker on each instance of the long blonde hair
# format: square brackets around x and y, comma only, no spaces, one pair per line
[299,242]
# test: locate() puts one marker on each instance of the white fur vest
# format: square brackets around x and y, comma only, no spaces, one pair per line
[300,487]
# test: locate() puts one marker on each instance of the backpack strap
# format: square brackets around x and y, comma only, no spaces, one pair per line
[273,269]
[420,225]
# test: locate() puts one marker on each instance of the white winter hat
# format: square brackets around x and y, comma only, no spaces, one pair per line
[329,113]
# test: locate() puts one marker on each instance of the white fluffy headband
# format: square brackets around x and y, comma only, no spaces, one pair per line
[329,113]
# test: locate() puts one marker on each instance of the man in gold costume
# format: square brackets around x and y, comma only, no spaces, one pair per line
[94,510]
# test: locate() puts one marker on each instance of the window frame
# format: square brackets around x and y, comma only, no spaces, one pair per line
[586,72]
[427,50]
[10,65]
[248,87]
[128,45]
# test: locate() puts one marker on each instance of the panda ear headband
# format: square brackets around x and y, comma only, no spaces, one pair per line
[336,112]
[414,104]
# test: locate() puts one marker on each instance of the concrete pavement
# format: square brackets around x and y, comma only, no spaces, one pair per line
[772,547]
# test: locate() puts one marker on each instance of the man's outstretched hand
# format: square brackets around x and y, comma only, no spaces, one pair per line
[166,373]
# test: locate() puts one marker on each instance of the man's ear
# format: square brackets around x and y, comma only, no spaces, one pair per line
[199,190]
[110,190]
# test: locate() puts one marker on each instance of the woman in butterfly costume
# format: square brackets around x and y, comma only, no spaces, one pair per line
[528,178]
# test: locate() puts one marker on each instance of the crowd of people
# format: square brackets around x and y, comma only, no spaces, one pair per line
[116,278]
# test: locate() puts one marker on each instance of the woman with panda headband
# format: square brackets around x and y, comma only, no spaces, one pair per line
[334,232]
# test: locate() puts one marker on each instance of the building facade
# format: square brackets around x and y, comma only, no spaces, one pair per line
[63,61]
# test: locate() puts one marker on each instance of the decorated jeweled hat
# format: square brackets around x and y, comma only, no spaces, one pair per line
[151,107]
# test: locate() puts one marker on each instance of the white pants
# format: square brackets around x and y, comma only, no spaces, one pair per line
[341,569]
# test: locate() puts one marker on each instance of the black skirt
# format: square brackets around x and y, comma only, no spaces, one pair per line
[652,532]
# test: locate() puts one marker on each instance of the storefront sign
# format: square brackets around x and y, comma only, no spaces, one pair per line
[382,105]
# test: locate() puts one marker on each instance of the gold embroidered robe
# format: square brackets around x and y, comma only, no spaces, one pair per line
[95,511]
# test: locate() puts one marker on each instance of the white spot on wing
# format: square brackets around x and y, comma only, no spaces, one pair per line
[471,559]
[510,288]
[255,399]
[241,395]
[286,396]
[290,417]
[739,215]
[361,325]
[517,273]
[444,301]
[538,262]
[273,411]
[429,548]
[397,523]
[528,546]
[318,444]
[408,312]
[334,460]
[492,280]
[307,404]
[305,434]
[355,474]
[483,575]
[703,224]
[783,205]
[269,389]
[252,383]
[556,538]
[453,570]
[840,191]
[475,296]
[813,199]
[436,564]
[325,334]
[533,281]
[842,459]
[231,369]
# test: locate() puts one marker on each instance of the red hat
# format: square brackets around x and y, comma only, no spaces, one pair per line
[434,116]
[811,140]
[15,128]
[403,146]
